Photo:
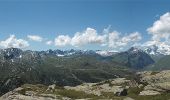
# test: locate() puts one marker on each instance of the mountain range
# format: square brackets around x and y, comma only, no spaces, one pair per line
[72,67]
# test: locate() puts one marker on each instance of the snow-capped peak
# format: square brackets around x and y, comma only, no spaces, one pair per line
[158,49]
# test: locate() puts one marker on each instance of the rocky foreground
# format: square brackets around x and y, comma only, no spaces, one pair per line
[149,86]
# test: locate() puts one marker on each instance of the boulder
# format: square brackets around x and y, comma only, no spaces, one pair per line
[121,92]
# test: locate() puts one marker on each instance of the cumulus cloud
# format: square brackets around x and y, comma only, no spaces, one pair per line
[62,40]
[113,39]
[89,36]
[116,40]
[132,37]
[160,32]
[12,41]
[35,38]
[49,42]
[161,28]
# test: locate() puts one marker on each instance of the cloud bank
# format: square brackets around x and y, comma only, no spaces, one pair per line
[91,36]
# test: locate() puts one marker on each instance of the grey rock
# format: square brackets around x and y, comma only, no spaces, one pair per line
[149,92]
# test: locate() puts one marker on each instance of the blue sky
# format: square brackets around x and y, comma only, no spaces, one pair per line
[49,19]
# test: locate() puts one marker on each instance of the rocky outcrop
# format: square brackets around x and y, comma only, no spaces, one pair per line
[156,82]
[116,86]
[155,77]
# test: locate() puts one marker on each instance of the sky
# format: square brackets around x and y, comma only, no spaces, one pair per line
[84,24]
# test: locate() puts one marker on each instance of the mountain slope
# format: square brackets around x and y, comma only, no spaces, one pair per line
[133,58]
[161,64]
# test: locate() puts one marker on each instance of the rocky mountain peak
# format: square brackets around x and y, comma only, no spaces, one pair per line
[134,50]
[11,53]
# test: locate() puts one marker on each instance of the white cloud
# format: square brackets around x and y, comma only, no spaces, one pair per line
[113,39]
[35,38]
[160,32]
[132,37]
[150,43]
[12,41]
[62,40]
[161,28]
[89,36]
[49,42]
[118,41]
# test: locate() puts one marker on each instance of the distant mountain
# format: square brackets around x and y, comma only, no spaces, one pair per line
[134,58]
[60,53]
